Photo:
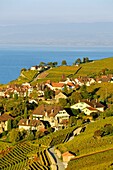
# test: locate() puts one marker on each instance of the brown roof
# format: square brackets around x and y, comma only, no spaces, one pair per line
[28,122]
[5,117]
[93,103]
[70,84]
[51,110]
[92,108]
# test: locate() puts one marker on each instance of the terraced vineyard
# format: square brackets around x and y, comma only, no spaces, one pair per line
[56,137]
[21,157]
[17,157]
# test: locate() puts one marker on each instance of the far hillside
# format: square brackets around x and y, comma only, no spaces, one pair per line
[55,74]
[96,67]
[58,73]
[91,69]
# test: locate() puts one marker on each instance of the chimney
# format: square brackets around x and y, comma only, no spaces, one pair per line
[27,122]
[46,114]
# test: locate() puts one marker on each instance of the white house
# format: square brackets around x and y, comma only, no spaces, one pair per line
[28,124]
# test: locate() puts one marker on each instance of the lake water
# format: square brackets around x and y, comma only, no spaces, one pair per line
[13,59]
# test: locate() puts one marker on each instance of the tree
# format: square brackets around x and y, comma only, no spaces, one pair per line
[86,59]
[55,64]
[14,135]
[75,98]
[72,121]
[50,64]
[65,89]
[41,63]
[84,93]
[62,102]
[9,125]
[23,69]
[64,63]
[78,61]
[25,112]
[48,94]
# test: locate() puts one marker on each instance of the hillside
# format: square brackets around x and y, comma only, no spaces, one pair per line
[94,67]
[92,153]
[56,74]
[86,69]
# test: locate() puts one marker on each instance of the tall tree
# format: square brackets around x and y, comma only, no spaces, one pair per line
[64,63]
[78,61]
[9,125]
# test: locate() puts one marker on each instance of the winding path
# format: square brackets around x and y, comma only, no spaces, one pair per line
[59,163]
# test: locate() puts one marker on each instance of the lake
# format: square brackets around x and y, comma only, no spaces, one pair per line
[13,59]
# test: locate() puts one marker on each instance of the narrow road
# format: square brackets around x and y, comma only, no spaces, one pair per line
[61,165]
[57,160]
[93,153]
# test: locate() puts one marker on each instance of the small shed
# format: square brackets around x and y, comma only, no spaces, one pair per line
[67,156]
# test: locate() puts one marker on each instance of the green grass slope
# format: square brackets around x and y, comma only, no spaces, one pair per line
[55,74]
[95,67]
[87,147]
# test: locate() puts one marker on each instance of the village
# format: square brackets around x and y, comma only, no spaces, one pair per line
[52,104]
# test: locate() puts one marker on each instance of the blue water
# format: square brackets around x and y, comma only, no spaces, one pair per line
[12,60]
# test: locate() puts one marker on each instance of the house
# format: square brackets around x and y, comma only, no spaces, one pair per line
[84,81]
[2,93]
[28,124]
[60,95]
[55,86]
[89,110]
[55,115]
[104,78]
[70,85]
[81,105]
[33,68]
[67,156]
[4,122]
[87,106]
[62,118]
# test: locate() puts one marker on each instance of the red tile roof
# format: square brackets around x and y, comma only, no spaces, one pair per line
[57,84]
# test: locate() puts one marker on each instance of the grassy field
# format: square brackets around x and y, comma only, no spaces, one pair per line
[55,74]
[95,67]
[101,161]
[87,69]
[85,143]
[104,90]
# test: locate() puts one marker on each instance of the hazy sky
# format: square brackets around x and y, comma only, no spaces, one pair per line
[54,11]
[24,12]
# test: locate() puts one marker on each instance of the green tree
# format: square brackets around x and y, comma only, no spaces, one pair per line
[14,135]
[9,125]
[15,96]
[72,121]
[64,63]
[48,94]
[25,112]
[75,98]
[55,64]
[23,69]
[65,89]
[62,102]
[78,61]
[42,63]
[50,64]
